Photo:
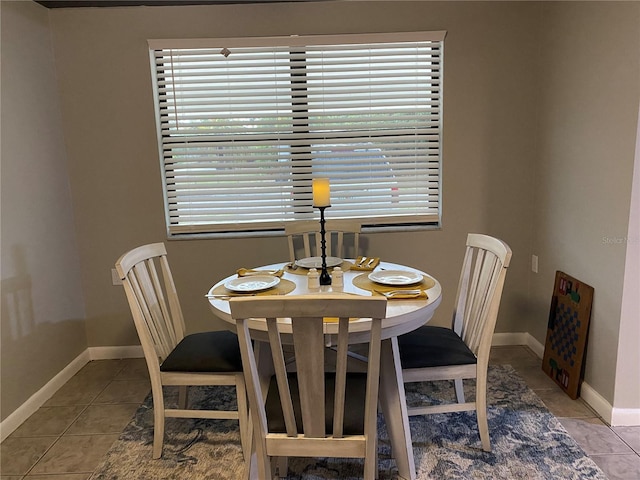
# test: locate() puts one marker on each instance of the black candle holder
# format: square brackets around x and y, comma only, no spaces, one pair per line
[325,278]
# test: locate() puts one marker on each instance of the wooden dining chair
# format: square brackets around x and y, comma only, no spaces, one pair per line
[203,359]
[438,353]
[304,237]
[312,412]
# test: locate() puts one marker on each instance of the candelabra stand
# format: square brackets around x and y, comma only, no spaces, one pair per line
[325,278]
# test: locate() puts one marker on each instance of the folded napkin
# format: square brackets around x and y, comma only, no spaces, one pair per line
[365,264]
[400,295]
[246,272]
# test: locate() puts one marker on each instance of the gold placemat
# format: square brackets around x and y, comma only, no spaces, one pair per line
[345,265]
[284,287]
[362,281]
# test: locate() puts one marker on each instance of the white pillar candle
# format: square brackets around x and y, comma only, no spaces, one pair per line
[321,192]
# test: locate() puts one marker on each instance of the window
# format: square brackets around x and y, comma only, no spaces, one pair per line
[245,124]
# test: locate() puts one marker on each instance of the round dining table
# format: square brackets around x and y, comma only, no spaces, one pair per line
[403,316]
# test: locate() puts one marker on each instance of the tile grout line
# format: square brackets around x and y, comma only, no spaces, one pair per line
[59,437]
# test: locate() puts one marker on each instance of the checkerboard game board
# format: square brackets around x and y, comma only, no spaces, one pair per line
[567,332]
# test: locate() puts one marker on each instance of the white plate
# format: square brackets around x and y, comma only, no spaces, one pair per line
[254,283]
[316,262]
[395,277]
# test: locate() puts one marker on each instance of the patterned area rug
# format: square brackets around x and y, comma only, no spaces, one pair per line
[528,442]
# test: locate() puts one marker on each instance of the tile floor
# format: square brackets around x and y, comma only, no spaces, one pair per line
[67,437]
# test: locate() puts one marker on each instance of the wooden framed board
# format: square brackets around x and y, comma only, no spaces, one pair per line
[567,333]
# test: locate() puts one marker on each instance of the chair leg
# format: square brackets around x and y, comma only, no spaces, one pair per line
[264,463]
[282,466]
[246,428]
[377,472]
[459,387]
[371,460]
[183,396]
[158,421]
[481,410]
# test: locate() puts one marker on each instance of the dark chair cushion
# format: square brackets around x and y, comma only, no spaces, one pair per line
[353,410]
[205,352]
[433,347]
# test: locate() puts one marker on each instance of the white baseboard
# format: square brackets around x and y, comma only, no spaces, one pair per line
[596,401]
[534,345]
[518,338]
[625,417]
[28,408]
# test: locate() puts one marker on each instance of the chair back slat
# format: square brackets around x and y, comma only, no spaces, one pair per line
[144,316]
[460,310]
[161,308]
[477,297]
[292,248]
[339,243]
[483,273]
[338,232]
[341,375]
[307,237]
[308,342]
[152,297]
[174,302]
[307,316]
[280,368]
[487,278]
[255,390]
[158,320]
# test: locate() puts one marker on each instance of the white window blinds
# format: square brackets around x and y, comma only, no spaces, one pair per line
[245,124]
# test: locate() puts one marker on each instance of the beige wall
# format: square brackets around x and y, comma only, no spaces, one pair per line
[43,326]
[587,131]
[103,68]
